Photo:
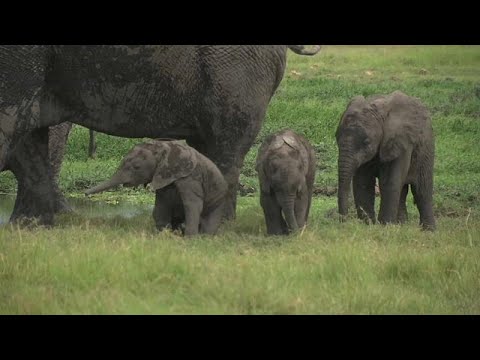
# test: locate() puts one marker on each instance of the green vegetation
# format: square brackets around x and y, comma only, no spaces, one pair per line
[91,263]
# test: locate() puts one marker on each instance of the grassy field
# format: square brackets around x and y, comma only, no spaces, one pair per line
[96,264]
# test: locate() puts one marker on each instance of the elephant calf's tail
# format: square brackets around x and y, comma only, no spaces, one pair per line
[300,49]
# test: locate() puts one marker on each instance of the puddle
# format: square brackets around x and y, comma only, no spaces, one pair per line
[84,207]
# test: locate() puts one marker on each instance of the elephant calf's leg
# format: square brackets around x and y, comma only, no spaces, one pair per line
[392,178]
[364,195]
[276,225]
[424,201]
[164,209]
[210,223]
[402,215]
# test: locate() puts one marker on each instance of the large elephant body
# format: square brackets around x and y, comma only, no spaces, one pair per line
[215,97]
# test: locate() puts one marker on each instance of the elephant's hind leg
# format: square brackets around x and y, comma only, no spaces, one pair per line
[210,222]
[424,203]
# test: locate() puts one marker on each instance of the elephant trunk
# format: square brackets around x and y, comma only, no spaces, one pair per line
[346,169]
[106,185]
[288,208]
[300,49]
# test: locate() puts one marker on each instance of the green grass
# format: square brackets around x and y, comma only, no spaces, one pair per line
[123,266]
[93,263]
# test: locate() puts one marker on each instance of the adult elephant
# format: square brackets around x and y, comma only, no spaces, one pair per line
[215,97]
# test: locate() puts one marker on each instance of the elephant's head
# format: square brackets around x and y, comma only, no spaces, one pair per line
[359,138]
[282,168]
[159,163]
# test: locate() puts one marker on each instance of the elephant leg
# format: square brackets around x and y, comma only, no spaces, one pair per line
[210,223]
[402,216]
[364,194]
[57,141]
[276,225]
[162,211]
[36,196]
[424,200]
[193,209]
[191,194]
[392,178]
[178,215]
[229,143]
[92,145]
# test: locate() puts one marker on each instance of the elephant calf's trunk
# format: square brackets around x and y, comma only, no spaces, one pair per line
[288,209]
[102,187]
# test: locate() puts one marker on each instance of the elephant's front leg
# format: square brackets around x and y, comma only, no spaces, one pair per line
[57,141]
[402,216]
[191,193]
[276,225]
[36,196]
[163,210]
[364,193]
[226,156]
[392,178]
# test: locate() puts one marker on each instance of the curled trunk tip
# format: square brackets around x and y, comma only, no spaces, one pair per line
[300,50]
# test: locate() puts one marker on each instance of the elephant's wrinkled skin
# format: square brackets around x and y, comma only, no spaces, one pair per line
[189,186]
[215,97]
[286,171]
[389,137]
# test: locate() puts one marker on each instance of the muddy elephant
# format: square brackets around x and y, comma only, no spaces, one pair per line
[213,96]
[286,170]
[189,187]
[388,137]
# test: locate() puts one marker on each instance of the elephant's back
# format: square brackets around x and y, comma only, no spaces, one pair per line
[22,72]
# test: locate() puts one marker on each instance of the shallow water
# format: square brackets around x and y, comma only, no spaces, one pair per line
[84,207]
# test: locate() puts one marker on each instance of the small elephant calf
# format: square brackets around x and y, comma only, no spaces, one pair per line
[189,187]
[389,137]
[286,170]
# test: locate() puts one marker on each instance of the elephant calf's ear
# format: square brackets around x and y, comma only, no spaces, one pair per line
[178,162]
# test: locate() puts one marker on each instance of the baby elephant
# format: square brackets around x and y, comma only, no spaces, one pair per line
[389,137]
[286,170]
[189,187]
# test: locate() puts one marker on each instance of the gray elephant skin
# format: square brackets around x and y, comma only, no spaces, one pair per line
[189,187]
[286,170]
[214,97]
[389,137]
